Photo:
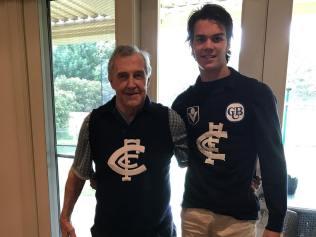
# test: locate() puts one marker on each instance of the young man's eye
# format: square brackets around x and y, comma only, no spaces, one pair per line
[200,39]
[218,38]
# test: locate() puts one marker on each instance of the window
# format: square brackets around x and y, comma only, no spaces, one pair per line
[83,38]
[299,127]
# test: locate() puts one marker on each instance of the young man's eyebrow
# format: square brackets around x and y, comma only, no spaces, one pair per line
[216,34]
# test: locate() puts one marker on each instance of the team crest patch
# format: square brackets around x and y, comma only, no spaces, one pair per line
[235,112]
[122,160]
[193,114]
[206,143]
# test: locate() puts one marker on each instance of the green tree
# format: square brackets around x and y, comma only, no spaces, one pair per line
[87,94]
[83,60]
[75,95]
[64,103]
[80,78]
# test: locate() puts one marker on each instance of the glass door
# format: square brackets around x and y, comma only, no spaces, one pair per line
[82,40]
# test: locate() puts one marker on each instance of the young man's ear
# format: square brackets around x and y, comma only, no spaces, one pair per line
[228,52]
[192,51]
[111,83]
[228,47]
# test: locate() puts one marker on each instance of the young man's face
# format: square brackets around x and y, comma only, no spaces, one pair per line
[209,45]
[129,81]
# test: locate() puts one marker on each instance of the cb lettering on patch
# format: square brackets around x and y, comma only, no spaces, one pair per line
[235,112]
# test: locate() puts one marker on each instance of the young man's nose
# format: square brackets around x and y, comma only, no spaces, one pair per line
[209,43]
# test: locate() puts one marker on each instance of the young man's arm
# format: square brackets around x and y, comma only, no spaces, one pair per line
[73,189]
[272,160]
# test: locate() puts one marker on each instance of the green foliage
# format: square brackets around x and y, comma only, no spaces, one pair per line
[75,94]
[87,94]
[80,78]
[81,60]
[64,103]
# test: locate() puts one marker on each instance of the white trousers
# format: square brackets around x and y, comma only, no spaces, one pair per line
[204,223]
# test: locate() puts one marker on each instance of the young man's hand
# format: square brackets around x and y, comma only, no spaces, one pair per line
[270,233]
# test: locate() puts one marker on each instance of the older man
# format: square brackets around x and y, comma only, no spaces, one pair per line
[131,141]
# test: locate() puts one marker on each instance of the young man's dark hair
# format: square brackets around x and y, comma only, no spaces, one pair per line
[211,12]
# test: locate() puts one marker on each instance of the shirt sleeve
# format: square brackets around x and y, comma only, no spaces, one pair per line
[271,156]
[179,138]
[82,165]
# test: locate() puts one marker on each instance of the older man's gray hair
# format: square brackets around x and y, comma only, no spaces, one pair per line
[128,50]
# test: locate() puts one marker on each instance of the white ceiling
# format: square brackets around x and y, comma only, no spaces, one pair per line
[81,20]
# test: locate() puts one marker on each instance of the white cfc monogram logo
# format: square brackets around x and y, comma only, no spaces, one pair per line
[207,141]
[123,158]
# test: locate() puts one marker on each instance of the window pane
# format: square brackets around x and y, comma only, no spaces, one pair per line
[299,126]
[178,70]
[83,37]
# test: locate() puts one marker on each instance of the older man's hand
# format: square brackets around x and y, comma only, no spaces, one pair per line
[67,229]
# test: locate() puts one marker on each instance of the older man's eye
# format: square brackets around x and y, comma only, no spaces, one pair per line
[139,75]
[122,76]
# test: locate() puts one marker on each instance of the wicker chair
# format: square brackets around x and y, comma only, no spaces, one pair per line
[290,224]
[300,222]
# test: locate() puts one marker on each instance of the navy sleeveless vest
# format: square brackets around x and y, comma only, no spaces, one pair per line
[132,170]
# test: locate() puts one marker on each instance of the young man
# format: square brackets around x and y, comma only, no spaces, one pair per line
[131,141]
[231,120]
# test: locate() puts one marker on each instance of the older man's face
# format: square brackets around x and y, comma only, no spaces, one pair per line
[129,81]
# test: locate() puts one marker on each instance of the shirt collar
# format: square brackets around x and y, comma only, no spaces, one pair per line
[227,82]
[111,108]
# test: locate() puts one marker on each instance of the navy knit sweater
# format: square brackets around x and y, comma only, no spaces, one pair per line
[230,123]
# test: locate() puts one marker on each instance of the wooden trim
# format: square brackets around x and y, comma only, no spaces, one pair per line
[127,22]
[251,58]
[149,42]
[277,48]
